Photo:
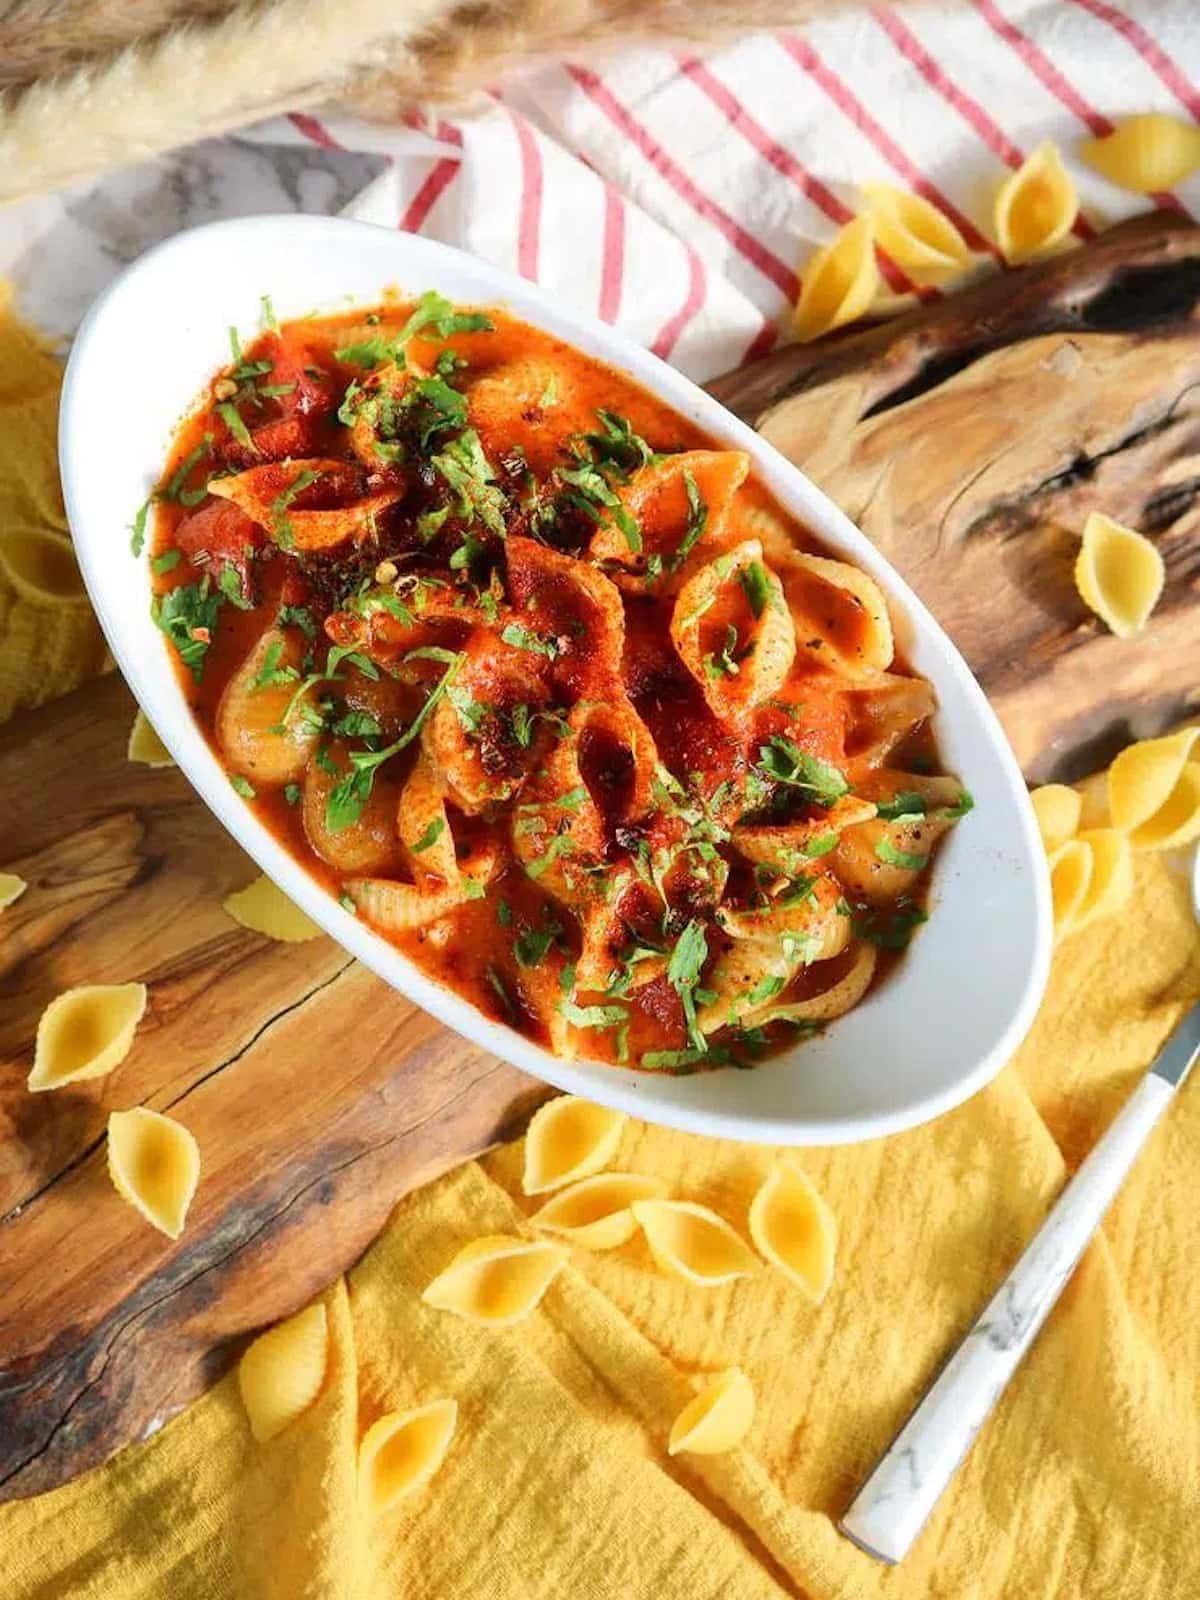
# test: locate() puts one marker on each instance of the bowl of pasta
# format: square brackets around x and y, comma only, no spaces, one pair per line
[547,688]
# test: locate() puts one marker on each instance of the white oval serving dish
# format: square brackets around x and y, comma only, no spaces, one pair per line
[966,991]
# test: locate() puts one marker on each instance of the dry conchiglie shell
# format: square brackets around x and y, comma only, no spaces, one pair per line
[1070,880]
[1119,573]
[145,746]
[1035,207]
[794,1229]
[568,1139]
[1154,791]
[154,1163]
[85,1033]
[1057,808]
[596,1212]
[281,1374]
[264,908]
[1147,153]
[840,281]
[693,1242]
[718,1419]
[41,567]
[496,1280]
[916,235]
[401,1452]
[11,888]
[1111,883]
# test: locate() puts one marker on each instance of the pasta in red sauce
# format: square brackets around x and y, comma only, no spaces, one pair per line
[542,685]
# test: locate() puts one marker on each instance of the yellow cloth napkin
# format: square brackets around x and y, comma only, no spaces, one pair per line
[1086,1481]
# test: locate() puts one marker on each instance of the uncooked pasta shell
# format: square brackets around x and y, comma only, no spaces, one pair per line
[1119,574]
[916,235]
[1152,791]
[718,1419]
[154,1163]
[693,1243]
[1057,809]
[568,1139]
[11,888]
[1070,880]
[597,1212]
[400,1453]
[1035,207]
[41,567]
[794,1229]
[85,1033]
[1146,153]
[840,281]
[1111,882]
[264,908]
[498,1280]
[145,746]
[282,1372]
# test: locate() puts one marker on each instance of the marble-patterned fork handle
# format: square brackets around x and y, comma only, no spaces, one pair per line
[892,1506]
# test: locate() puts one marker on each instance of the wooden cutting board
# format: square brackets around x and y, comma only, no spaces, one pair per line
[969,439]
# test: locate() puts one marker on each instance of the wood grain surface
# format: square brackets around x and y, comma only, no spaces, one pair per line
[969,440]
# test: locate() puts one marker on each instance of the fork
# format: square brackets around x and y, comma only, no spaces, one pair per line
[897,1499]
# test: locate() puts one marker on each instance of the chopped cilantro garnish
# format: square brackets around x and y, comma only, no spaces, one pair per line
[765,989]
[301,616]
[697,521]
[434,310]
[616,446]
[593,1016]
[560,845]
[271,675]
[137,528]
[532,946]
[961,806]
[757,586]
[291,793]
[273,390]
[347,904]
[175,488]
[783,761]
[243,786]
[435,407]
[187,615]
[522,639]
[894,857]
[268,314]
[229,581]
[724,663]
[820,845]
[367,353]
[232,418]
[429,523]
[357,725]
[893,928]
[594,496]
[466,469]
[167,561]
[430,837]
[683,974]
[281,527]
[235,347]
[675,1060]
[496,984]
[908,803]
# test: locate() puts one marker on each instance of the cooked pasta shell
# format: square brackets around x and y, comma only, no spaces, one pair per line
[400,1453]
[718,1419]
[693,1242]
[1035,207]
[390,380]
[794,1229]
[154,1163]
[1070,881]
[497,1280]
[264,908]
[769,948]
[840,281]
[739,658]
[145,746]
[568,1139]
[283,1371]
[841,996]
[511,403]
[1110,885]
[1146,153]
[840,616]
[886,709]
[262,733]
[880,860]
[1057,809]
[424,827]
[11,888]
[573,603]
[492,674]
[916,235]
[261,492]
[393,907]
[1154,791]
[41,567]
[657,498]
[367,845]
[791,847]
[596,1212]
[1119,574]
[85,1033]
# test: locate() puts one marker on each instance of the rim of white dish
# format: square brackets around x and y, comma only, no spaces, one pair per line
[624,1088]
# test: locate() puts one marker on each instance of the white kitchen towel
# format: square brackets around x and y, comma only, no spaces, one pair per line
[675,194]
[679,195]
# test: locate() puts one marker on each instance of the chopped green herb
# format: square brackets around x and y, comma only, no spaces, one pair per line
[908,803]
[765,989]
[430,522]
[137,528]
[783,761]
[522,639]
[243,786]
[821,845]
[473,889]
[235,346]
[891,929]
[301,616]
[271,675]
[357,725]
[616,447]
[560,845]
[232,418]
[496,984]
[434,310]
[167,561]
[593,496]
[887,851]
[532,946]
[291,793]
[175,488]
[724,664]
[469,474]
[281,527]
[229,582]
[549,395]
[272,391]
[961,806]
[757,586]
[683,974]
[430,837]
[367,353]
[504,914]
[593,1016]
[675,1060]
[697,521]
[268,314]
[347,904]
[187,615]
